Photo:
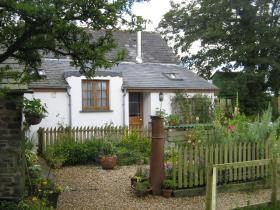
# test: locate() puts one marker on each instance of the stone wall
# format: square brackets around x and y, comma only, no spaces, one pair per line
[11,157]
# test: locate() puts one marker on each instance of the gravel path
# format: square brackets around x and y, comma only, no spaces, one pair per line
[90,187]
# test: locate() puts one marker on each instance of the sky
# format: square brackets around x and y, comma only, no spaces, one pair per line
[152,10]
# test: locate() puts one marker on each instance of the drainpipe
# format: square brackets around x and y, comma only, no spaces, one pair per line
[123,105]
[139,51]
[69,106]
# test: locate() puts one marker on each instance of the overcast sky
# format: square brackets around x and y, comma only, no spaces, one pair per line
[152,10]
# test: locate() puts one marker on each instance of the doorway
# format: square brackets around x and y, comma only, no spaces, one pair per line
[135,110]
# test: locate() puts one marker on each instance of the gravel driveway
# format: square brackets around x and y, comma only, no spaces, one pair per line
[90,187]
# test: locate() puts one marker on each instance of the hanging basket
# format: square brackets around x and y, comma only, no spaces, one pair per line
[32,120]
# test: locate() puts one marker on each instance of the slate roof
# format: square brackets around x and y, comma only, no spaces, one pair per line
[152,76]
[158,59]
[154,48]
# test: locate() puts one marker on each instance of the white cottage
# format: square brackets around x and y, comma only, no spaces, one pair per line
[125,95]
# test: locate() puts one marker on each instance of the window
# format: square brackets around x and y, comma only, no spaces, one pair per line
[134,104]
[95,95]
[172,76]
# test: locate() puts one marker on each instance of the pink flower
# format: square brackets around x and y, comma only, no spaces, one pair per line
[231,128]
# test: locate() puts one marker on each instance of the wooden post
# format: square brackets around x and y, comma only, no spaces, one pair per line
[211,187]
[274,180]
[157,155]
[214,187]
[40,141]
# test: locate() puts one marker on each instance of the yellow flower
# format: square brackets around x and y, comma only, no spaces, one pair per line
[45,182]
[34,198]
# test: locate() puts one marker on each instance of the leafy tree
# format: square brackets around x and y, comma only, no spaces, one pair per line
[30,29]
[233,34]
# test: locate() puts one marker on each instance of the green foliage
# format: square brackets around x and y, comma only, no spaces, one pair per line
[135,150]
[34,107]
[54,27]
[169,184]
[142,172]
[173,119]
[74,153]
[142,186]
[196,109]
[131,151]
[38,188]
[233,35]
[23,204]
[8,205]
[108,148]
[242,129]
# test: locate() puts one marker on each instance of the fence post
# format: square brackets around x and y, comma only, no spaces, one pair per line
[274,180]
[211,187]
[157,155]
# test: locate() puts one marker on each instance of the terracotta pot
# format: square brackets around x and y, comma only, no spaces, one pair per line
[171,123]
[167,193]
[32,120]
[108,162]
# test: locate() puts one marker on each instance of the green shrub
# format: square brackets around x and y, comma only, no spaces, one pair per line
[8,205]
[108,148]
[142,186]
[135,150]
[169,184]
[74,153]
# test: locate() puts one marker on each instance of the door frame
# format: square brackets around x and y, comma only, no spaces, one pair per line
[141,109]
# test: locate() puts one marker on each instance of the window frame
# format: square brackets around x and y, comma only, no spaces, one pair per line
[94,106]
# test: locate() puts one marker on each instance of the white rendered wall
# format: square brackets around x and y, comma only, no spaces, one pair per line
[165,105]
[114,116]
[58,111]
[146,109]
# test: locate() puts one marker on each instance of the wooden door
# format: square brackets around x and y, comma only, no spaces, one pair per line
[135,110]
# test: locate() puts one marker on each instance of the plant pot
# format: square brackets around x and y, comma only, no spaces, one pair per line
[108,162]
[167,193]
[142,193]
[133,181]
[53,199]
[32,120]
[171,123]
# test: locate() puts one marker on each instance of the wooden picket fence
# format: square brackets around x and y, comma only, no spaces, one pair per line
[51,136]
[213,169]
[191,160]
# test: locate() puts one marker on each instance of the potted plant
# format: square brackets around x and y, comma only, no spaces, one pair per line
[108,160]
[34,111]
[168,186]
[142,188]
[54,195]
[141,175]
[51,191]
[173,120]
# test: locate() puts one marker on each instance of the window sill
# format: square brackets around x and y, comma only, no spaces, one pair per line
[92,111]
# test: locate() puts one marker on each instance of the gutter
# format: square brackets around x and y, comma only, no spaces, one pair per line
[123,104]
[69,106]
